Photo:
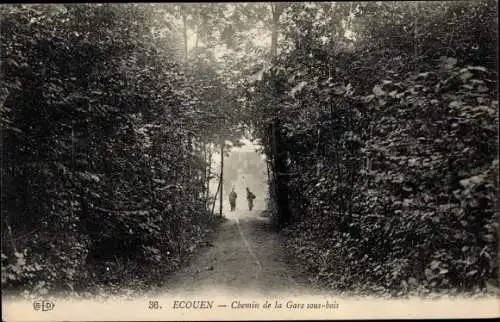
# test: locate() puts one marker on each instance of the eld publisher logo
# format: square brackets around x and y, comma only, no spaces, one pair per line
[43,306]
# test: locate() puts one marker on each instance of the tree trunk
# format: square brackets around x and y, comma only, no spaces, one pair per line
[197,36]
[203,179]
[282,179]
[11,236]
[276,11]
[215,197]
[415,38]
[209,172]
[184,33]
[272,137]
[280,170]
[274,40]
[274,30]
[221,174]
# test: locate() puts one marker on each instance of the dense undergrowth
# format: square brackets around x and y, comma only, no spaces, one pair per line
[391,148]
[105,146]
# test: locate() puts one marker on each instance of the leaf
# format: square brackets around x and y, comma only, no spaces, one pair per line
[89,176]
[412,281]
[443,271]
[393,94]
[465,76]
[297,88]
[448,62]
[368,98]
[428,274]
[435,264]
[478,68]
[455,104]
[377,90]
[21,261]
[482,89]
[339,90]
[472,181]
[407,189]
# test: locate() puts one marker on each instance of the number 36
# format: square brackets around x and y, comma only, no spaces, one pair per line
[154,305]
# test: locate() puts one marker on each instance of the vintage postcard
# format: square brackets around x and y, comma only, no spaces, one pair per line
[249,161]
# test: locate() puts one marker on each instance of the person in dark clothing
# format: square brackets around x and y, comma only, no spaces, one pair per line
[232,199]
[250,198]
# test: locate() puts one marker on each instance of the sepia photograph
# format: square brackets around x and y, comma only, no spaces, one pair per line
[249,160]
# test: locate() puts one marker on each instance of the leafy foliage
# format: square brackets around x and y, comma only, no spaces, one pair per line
[389,142]
[103,145]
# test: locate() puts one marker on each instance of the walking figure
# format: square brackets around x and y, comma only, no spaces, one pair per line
[232,199]
[250,198]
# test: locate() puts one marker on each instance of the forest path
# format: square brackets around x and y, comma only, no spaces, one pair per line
[246,257]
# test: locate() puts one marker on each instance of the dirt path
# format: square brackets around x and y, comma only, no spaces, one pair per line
[246,256]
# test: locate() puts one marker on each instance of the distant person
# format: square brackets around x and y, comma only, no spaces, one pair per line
[250,198]
[232,199]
